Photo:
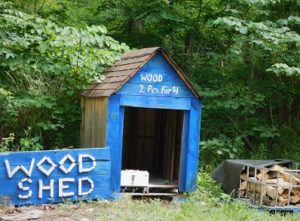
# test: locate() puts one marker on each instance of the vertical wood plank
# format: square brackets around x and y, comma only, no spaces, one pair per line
[115,139]
[193,146]
[102,118]
[93,127]
[185,143]
[82,127]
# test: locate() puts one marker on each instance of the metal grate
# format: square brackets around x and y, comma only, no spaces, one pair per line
[276,192]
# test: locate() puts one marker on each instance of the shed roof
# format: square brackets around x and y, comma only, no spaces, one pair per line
[125,69]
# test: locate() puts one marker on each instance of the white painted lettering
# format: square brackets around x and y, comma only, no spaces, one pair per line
[165,90]
[152,89]
[48,171]
[80,181]
[142,88]
[10,172]
[25,188]
[160,78]
[43,187]
[149,89]
[175,89]
[143,77]
[62,162]
[151,77]
[62,186]
[81,169]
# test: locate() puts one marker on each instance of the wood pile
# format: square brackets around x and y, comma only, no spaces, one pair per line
[275,186]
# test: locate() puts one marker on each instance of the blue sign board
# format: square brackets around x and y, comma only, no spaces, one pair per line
[156,78]
[53,176]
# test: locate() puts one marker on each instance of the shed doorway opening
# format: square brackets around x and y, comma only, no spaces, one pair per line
[152,141]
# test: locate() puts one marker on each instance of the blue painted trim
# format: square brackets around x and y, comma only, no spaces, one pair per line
[185,143]
[199,139]
[193,146]
[115,139]
[156,102]
[105,153]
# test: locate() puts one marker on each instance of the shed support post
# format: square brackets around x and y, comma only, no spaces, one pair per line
[190,148]
[114,139]
[185,136]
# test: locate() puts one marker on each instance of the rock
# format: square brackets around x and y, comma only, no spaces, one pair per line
[83,219]
[90,210]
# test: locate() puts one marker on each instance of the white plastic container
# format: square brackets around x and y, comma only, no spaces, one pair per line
[134,178]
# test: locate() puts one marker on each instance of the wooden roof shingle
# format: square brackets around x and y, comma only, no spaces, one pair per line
[124,69]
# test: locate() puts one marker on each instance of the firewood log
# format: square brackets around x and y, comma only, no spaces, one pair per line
[242,193]
[273,203]
[243,185]
[295,192]
[286,176]
[243,176]
[282,185]
[259,188]
[271,192]
[262,176]
[260,200]
[295,199]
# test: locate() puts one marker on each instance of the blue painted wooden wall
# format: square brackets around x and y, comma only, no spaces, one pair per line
[156,85]
[156,78]
[26,177]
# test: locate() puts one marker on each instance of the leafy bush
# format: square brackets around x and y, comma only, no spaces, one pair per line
[27,143]
[43,68]
[216,150]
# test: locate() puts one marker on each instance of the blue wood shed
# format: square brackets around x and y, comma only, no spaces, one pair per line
[148,113]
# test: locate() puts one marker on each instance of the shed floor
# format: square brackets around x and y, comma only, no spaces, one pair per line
[161,183]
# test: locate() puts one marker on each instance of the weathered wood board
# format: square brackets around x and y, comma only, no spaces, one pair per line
[93,125]
[38,177]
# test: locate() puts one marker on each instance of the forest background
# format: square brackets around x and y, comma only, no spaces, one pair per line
[242,56]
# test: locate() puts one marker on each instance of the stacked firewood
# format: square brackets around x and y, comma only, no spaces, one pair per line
[275,186]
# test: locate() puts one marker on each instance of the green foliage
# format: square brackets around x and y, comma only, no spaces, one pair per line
[208,186]
[242,56]
[216,149]
[284,69]
[44,67]
[7,143]
[29,143]
[260,64]
[26,143]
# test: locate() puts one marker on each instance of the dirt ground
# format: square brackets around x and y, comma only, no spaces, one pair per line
[59,212]
[124,209]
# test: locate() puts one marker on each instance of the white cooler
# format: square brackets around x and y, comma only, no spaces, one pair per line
[134,178]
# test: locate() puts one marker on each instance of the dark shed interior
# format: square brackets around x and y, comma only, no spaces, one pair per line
[152,141]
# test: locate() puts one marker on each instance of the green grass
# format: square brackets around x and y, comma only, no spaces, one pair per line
[207,203]
[194,209]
